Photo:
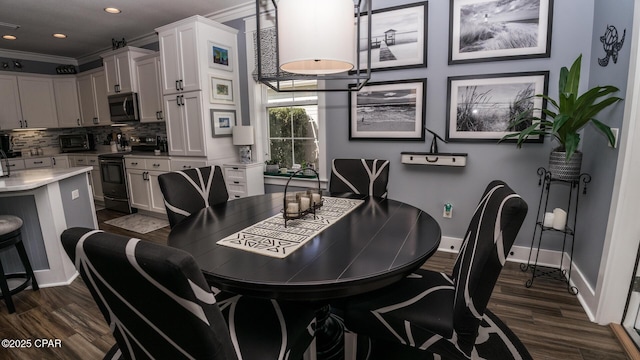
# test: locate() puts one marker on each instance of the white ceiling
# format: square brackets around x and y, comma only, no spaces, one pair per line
[88,27]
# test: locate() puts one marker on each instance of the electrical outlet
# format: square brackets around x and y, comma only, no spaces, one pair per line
[447,211]
[75,194]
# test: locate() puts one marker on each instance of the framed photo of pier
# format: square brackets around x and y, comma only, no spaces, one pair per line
[391,110]
[482,30]
[398,37]
[481,108]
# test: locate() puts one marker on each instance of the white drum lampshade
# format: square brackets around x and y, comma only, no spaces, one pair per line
[316,37]
[243,136]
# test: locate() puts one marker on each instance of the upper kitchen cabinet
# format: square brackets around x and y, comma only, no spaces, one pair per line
[27,102]
[92,94]
[10,112]
[148,81]
[119,69]
[67,104]
[179,57]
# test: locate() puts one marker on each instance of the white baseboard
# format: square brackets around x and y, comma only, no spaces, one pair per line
[551,258]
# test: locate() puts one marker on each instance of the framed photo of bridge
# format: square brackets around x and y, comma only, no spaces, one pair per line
[391,110]
[482,107]
[398,37]
[489,30]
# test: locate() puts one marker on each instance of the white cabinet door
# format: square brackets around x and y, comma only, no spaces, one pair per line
[102,116]
[39,162]
[38,102]
[111,74]
[149,92]
[179,59]
[194,129]
[138,188]
[185,131]
[67,105]
[10,111]
[87,99]
[156,200]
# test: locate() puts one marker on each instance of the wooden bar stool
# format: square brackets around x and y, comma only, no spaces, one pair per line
[10,235]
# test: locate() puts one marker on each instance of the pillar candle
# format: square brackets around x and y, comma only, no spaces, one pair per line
[305,203]
[559,219]
[292,208]
[548,219]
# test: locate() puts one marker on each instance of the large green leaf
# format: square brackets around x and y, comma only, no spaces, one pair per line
[606,130]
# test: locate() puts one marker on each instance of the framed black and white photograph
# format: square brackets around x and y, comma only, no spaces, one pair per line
[481,108]
[221,90]
[482,30]
[398,37]
[220,56]
[392,110]
[222,122]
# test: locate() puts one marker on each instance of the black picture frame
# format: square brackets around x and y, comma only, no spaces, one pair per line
[406,27]
[520,29]
[388,110]
[481,107]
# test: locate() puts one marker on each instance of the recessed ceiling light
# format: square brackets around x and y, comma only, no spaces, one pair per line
[112,10]
[9,37]
[60,36]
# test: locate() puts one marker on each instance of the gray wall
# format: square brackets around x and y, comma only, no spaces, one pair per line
[429,187]
[599,159]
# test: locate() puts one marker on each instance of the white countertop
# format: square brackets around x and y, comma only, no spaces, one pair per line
[33,178]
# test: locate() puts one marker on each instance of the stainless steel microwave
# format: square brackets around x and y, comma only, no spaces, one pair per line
[124,107]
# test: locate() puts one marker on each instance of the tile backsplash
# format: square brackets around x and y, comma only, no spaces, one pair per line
[48,139]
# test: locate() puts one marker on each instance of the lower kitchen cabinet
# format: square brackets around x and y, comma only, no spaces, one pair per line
[142,181]
[95,179]
[60,162]
[244,179]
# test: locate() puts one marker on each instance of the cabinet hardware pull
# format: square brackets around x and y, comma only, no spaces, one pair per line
[20,123]
[37,162]
[54,161]
[78,122]
[177,88]
[156,165]
[236,182]
[235,168]
[431,161]
[160,115]
[186,166]
[181,85]
[11,165]
[25,123]
[178,100]
[134,163]
[182,99]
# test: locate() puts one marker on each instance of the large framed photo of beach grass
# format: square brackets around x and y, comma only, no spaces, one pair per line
[488,30]
[482,108]
[391,110]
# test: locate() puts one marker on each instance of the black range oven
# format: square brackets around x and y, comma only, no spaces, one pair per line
[114,182]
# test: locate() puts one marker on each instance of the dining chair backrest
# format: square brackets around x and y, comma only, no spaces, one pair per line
[154,298]
[188,191]
[486,244]
[360,176]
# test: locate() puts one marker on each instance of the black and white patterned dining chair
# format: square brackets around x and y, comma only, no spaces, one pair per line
[159,305]
[436,312]
[188,191]
[359,176]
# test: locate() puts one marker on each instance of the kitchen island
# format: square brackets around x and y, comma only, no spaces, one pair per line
[49,201]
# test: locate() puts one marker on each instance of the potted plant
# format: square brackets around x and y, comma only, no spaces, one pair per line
[272,166]
[564,119]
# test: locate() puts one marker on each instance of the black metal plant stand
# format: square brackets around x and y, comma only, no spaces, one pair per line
[300,213]
[562,272]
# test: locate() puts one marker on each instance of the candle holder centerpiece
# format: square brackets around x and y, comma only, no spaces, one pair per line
[300,204]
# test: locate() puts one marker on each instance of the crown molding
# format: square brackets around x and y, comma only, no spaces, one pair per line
[24,55]
[232,13]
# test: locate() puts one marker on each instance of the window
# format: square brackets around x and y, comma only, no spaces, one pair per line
[293,126]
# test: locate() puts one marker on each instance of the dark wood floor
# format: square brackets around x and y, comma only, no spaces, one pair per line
[550,322]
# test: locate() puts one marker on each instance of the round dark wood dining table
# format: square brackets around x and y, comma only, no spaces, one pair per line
[377,244]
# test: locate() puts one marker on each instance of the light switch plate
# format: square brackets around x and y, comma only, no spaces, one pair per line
[615,132]
[75,194]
